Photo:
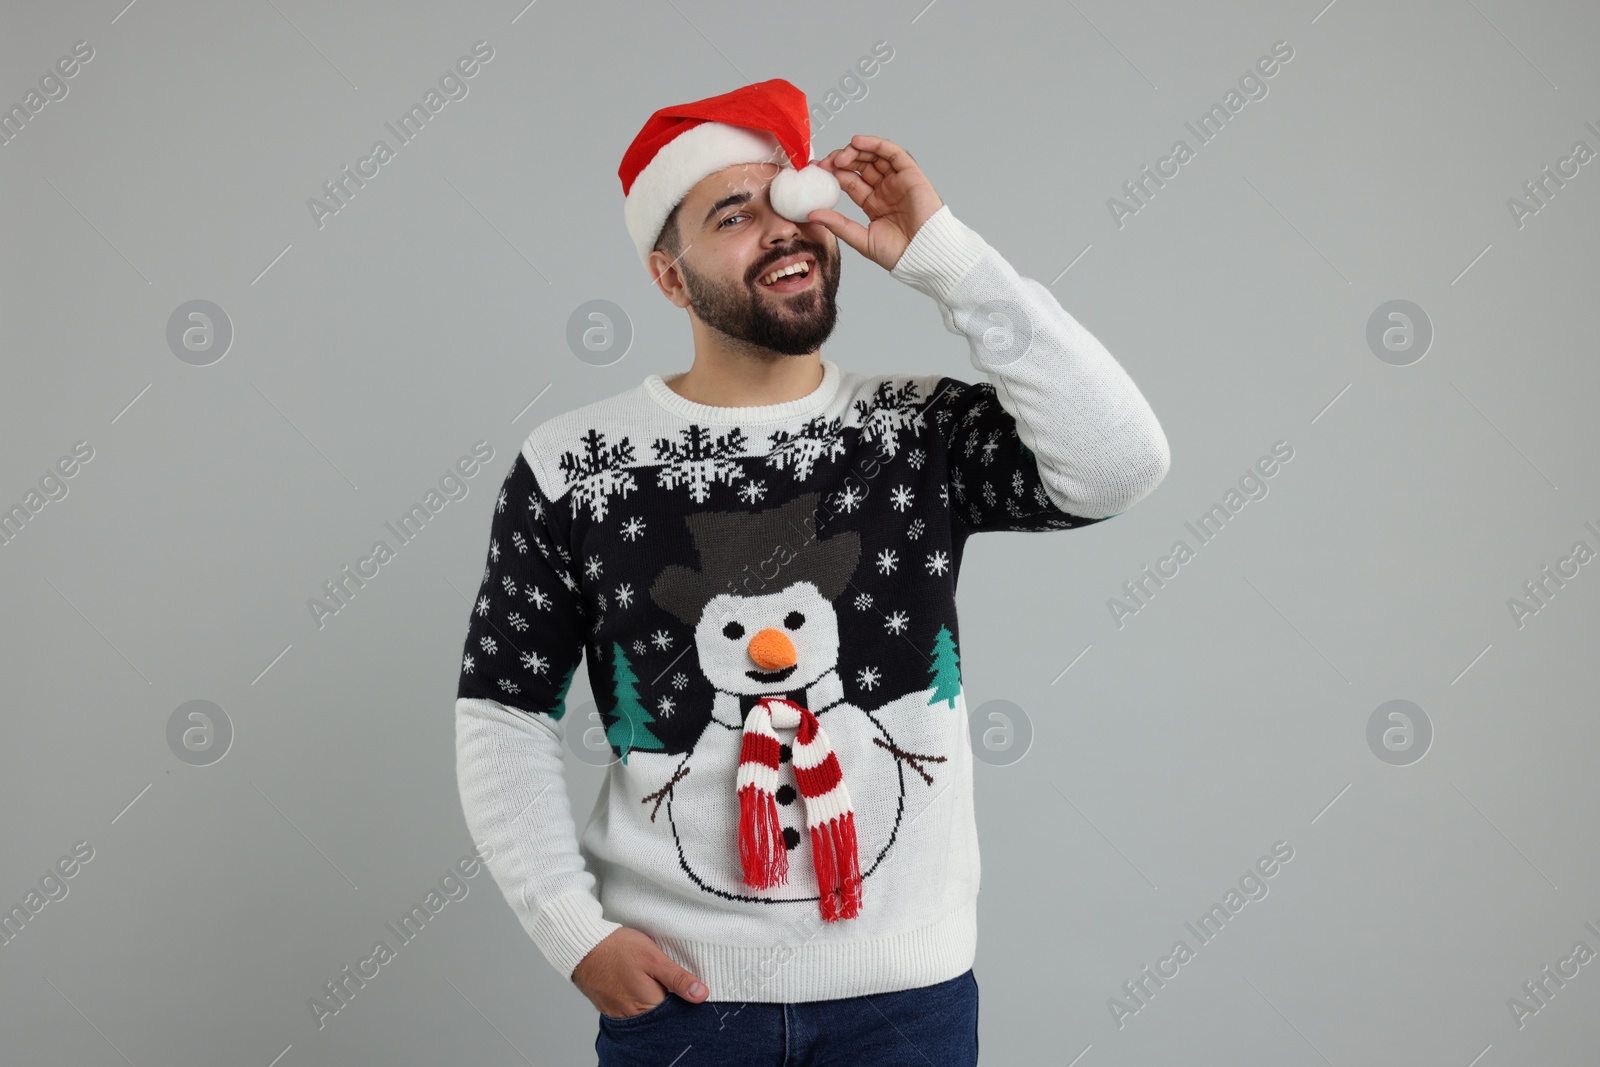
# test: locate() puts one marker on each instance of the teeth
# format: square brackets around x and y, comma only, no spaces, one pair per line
[796,268]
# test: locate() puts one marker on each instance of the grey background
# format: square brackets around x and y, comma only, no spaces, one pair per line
[370,354]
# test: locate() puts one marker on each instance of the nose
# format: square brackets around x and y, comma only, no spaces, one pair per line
[772,650]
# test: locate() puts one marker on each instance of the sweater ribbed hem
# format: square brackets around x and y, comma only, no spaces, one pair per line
[567,928]
[829,970]
[813,402]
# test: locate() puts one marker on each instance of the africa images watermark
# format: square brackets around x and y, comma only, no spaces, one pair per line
[1252,887]
[341,590]
[53,88]
[338,992]
[52,487]
[1211,123]
[1211,522]
[853,87]
[452,85]
[52,887]
[1540,590]
[1538,190]
[1539,991]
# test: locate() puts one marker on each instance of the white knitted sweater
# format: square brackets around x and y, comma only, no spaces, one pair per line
[659,536]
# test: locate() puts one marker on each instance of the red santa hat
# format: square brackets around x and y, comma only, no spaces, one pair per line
[767,122]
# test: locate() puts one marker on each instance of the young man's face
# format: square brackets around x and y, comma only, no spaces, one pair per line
[730,238]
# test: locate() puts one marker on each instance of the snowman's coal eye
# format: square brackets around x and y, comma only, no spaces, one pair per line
[733,631]
[794,620]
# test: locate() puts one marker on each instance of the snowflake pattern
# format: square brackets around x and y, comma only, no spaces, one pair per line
[483,605]
[901,497]
[699,459]
[752,491]
[848,499]
[798,452]
[916,457]
[597,473]
[516,621]
[916,528]
[897,622]
[887,412]
[887,561]
[633,529]
[680,680]
[863,601]
[868,677]
[535,662]
[937,563]
[494,551]
[662,640]
[538,598]
[625,595]
[591,568]
[664,707]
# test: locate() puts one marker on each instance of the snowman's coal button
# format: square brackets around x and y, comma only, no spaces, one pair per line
[791,838]
[784,752]
[785,795]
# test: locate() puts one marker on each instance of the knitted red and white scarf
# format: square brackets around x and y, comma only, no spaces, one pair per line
[829,815]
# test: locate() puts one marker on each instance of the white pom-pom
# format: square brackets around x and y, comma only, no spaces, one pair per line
[795,194]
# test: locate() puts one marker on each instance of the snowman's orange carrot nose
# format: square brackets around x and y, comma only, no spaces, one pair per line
[772,650]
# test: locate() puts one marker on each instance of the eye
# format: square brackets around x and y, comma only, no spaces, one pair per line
[794,620]
[730,218]
[733,631]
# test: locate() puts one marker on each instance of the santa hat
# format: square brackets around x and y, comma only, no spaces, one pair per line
[766,122]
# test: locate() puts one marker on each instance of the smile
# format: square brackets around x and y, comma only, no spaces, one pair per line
[790,275]
[771,676]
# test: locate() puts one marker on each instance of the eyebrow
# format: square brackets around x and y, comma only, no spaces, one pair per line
[727,201]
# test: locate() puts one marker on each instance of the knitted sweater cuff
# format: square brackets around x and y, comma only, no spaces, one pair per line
[940,254]
[567,928]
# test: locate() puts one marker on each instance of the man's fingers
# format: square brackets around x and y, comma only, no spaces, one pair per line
[879,149]
[855,187]
[678,980]
[845,229]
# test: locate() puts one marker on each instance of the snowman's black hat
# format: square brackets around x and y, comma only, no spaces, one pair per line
[747,553]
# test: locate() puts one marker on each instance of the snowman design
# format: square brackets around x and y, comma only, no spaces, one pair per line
[782,641]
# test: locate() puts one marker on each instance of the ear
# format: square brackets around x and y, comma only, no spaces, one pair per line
[666,276]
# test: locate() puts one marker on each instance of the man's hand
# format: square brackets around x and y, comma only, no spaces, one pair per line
[886,183]
[628,974]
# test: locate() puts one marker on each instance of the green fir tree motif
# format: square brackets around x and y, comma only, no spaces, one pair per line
[631,727]
[561,693]
[945,669]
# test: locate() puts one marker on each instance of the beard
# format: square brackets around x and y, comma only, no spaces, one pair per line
[753,319]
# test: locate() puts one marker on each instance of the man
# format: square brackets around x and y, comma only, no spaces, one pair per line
[760,555]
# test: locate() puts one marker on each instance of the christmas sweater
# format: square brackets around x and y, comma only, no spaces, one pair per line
[712,562]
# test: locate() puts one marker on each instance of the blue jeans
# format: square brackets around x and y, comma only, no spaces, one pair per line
[932,1026]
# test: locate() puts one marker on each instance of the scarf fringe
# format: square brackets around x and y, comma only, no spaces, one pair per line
[762,851]
[833,848]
